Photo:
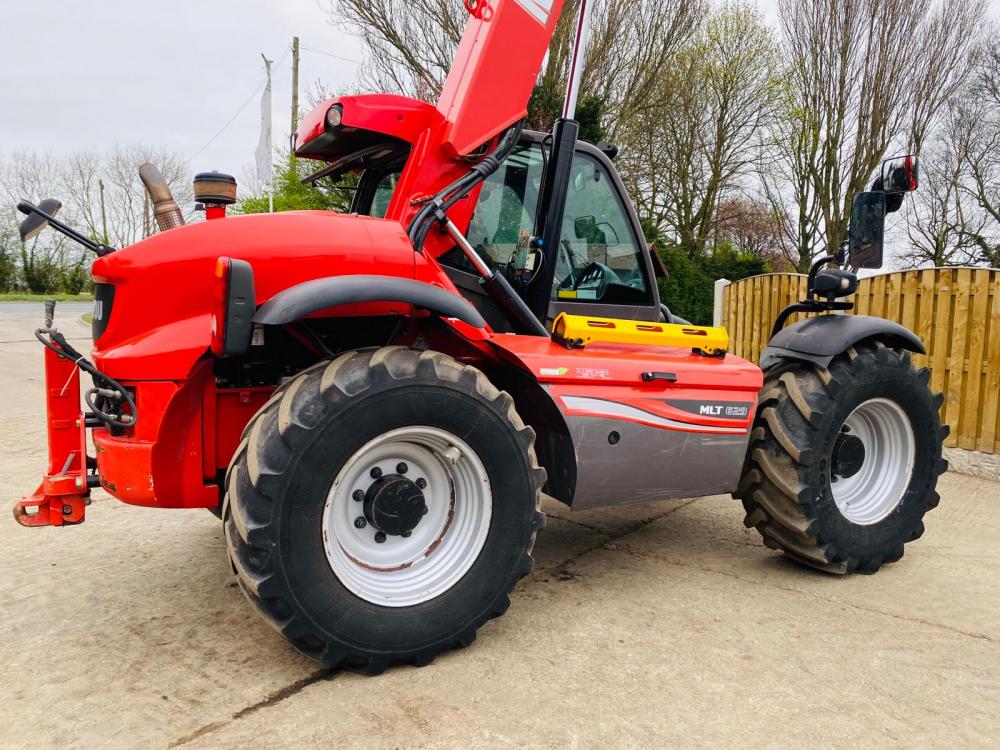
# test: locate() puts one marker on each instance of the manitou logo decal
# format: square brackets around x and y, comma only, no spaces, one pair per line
[719,409]
[539,9]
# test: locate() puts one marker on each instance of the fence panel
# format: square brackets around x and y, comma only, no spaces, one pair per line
[954,311]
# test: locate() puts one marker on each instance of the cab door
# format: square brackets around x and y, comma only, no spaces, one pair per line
[603,267]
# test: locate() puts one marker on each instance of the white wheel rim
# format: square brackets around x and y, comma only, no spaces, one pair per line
[403,571]
[878,488]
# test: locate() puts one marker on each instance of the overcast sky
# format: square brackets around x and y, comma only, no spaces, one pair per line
[87,75]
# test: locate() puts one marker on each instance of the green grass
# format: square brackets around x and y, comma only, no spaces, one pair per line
[42,297]
[87,318]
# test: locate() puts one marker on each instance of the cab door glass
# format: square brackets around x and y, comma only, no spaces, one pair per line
[599,257]
[505,212]
[383,195]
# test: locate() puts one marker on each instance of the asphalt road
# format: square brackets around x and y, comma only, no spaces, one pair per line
[662,625]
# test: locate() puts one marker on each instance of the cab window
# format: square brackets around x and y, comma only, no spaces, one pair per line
[505,212]
[383,195]
[599,258]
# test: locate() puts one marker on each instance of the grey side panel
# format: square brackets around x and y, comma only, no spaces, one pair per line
[822,338]
[650,463]
[320,294]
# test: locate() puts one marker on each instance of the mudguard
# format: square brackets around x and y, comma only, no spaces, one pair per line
[821,339]
[308,297]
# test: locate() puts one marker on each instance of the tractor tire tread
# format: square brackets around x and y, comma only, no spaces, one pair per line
[777,501]
[268,451]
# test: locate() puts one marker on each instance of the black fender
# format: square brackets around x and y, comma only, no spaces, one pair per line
[308,297]
[821,339]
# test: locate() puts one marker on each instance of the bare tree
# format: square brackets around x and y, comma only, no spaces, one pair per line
[49,262]
[411,46]
[753,229]
[983,154]
[867,77]
[33,176]
[695,139]
[945,221]
[126,207]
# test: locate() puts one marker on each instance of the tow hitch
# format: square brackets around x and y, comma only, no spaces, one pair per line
[64,494]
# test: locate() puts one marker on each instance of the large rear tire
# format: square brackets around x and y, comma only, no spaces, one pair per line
[381,508]
[843,461]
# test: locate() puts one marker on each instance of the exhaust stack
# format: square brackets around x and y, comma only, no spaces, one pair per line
[165,209]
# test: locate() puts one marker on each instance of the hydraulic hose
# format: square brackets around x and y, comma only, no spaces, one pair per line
[105,389]
[426,217]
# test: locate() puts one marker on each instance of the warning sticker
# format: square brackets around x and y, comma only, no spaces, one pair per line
[593,373]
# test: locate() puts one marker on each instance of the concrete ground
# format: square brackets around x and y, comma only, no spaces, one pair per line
[652,626]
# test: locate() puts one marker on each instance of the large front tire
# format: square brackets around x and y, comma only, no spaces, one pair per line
[381,508]
[843,461]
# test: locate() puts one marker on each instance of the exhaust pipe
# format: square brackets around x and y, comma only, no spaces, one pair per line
[165,209]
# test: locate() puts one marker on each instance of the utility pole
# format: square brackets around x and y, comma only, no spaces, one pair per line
[104,214]
[295,91]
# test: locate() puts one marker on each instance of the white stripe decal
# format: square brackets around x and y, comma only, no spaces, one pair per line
[624,411]
[539,9]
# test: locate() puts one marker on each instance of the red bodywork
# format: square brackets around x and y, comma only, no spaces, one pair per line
[159,332]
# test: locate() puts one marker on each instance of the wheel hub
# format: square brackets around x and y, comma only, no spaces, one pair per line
[848,456]
[394,504]
[407,516]
[872,461]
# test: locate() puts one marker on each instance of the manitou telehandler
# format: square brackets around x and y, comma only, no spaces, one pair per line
[374,402]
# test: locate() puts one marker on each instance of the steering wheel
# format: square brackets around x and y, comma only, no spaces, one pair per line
[595,277]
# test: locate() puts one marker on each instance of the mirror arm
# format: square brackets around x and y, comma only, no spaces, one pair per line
[100,249]
[810,292]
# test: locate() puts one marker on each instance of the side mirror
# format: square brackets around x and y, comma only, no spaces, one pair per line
[866,237]
[36,222]
[585,227]
[900,174]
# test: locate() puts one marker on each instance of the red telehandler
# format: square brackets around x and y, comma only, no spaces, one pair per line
[374,402]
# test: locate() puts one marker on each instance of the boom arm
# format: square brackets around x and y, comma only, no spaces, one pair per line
[495,70]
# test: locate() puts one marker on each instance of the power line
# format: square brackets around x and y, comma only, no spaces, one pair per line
[239,111]
[330,54]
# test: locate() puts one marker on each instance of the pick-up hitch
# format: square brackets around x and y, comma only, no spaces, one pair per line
[64,494]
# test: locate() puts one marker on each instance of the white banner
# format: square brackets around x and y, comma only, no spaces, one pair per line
[262,156]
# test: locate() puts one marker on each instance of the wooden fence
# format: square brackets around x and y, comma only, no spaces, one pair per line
[954,311]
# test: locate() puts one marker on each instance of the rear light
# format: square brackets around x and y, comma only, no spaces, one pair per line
[233,307]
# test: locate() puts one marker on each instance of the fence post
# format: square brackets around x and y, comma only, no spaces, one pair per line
[720,298]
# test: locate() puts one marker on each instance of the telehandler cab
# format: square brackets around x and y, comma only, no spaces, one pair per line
[374,402]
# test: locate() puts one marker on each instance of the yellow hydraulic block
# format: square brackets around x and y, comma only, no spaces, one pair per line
[576,331]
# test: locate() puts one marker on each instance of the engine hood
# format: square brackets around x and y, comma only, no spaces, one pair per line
[159,322]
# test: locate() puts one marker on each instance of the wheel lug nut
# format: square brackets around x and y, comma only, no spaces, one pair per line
[376,473]
[359,495]
[360,522]
[380,537]
[402,468]
[406,534]
[422,483]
